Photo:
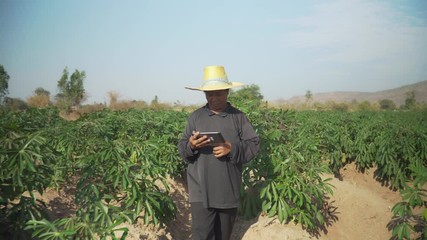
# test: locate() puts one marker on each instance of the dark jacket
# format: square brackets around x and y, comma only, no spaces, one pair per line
[216,181]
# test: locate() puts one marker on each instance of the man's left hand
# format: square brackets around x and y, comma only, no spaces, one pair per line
[221,150]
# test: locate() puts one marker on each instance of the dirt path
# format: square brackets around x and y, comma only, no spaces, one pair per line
[364,207]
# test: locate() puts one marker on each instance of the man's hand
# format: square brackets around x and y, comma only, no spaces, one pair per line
[222,149]
[197,142]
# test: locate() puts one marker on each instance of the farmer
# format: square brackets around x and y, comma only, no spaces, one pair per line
[214,172]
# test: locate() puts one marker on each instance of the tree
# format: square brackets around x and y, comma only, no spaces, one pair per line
[365,106]
[308,96]
[410,101]
[247,97]
[41,92]
[155,101]
[4,83]
[114,98]
[14,104]
[387,104]
[71,90]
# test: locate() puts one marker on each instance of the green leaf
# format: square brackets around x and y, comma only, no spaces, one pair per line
[424,214]
[273,210]
[266,206]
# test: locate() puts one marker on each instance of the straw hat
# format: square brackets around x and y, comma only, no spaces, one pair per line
[215,78]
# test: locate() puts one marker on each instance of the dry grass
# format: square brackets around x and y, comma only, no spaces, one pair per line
[39,101]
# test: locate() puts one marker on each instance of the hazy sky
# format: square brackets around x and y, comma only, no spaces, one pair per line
[141,49]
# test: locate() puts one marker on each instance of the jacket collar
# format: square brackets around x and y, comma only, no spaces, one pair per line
[226,111]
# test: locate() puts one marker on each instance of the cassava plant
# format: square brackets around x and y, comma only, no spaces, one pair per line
[26,166]
[119,170]
[410,215]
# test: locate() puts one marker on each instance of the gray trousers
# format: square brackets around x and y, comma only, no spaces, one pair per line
[212,223]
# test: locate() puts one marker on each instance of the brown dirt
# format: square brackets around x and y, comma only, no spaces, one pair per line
[362,210]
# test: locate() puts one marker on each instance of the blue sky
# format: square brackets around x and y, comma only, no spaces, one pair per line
[143,49]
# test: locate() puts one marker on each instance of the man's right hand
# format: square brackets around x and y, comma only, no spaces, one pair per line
[197,141]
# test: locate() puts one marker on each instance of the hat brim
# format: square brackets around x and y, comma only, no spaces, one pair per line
[217,87]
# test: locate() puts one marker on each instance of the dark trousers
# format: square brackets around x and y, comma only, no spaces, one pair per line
[212,223]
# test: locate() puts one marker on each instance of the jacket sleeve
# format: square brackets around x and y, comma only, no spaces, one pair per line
[248,146]
[186,153]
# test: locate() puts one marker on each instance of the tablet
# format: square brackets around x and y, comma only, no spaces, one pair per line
[215,137]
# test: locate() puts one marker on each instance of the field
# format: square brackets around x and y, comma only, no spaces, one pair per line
[117,174]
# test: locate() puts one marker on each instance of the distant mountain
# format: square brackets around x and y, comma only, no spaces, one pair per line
[397,95]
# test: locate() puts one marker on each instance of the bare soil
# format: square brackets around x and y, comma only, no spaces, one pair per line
[362,209]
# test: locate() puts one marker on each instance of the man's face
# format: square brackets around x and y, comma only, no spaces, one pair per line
[217,100]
